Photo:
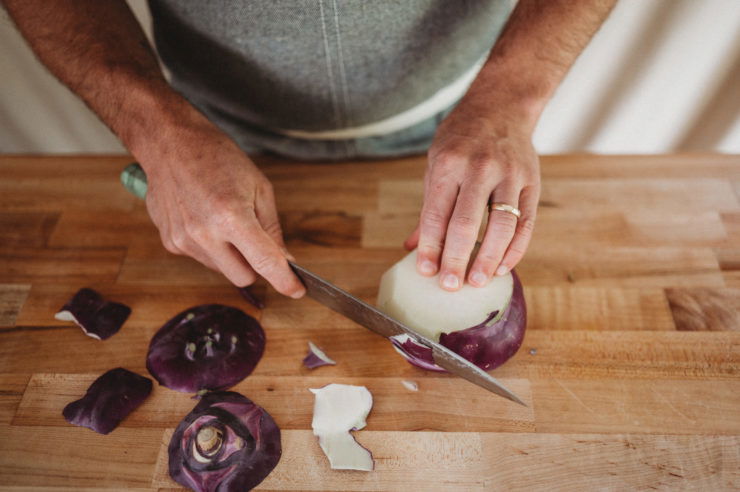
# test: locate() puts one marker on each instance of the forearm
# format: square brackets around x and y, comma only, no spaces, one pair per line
[539,44]
[97,49]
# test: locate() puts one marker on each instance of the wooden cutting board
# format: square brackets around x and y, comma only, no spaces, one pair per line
[630,366]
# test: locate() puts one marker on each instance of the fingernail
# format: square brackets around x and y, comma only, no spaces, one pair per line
[502,270]
[479,279]
[298,295]
[427,267]
[450,281]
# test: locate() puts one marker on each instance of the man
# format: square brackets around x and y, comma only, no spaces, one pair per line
[322,79]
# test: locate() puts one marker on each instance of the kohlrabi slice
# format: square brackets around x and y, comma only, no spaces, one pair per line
[209,347]
[227,443]
[339,409]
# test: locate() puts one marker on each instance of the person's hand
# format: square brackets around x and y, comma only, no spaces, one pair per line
[209,201]
[474,161]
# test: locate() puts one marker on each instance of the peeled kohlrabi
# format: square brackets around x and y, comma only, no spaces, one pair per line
[485,325]
[97,317]
[338,409]
[109,400]
[208,347]
[226,443]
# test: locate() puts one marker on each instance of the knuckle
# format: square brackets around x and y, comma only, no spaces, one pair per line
[455,261]
[225,217]
[448,157]
[264,264]
[198,232]
[179,240]
[488,258]
[433,219]
[526,226]
[530,176]
[273,228]
[429,251]
[229,219]
[170,246]
[266,187]
[516,251]
[464,222]
[482,166]
[505,222]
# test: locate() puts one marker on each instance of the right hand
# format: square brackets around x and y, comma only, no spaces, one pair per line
[211,202]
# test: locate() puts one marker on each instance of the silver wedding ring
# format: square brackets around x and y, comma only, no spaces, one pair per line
[505,207]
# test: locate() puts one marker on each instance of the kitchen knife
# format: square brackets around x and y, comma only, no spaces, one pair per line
[371,318]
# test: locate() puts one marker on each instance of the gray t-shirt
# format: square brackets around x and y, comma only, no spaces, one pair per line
[259,67]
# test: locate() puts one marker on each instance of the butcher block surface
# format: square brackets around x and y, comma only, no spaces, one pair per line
[630,367]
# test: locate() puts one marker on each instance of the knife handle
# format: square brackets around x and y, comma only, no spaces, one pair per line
[134,180]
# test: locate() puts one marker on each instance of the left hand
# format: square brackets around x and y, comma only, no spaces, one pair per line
[474,159]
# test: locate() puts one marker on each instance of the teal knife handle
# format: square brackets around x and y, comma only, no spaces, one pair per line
[133,178]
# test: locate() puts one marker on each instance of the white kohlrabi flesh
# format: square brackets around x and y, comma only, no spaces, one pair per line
[316,357]
[419,302]
[485,325]
[338,409]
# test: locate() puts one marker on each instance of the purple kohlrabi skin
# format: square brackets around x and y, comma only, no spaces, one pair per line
[246,293]
[316,358]
[208,347]
[417,354]
[487,345]
[97,317]
[109,400]
[247,450]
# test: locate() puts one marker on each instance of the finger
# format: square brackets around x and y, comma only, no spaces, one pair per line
[499,232]
[462,233]
[525,226]
[166,238]
[230,262]
[412,241]
[197,252]
[267,215]
[267,259]
[439,202]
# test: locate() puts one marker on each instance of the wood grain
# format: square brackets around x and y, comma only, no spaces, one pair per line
[492,461]
[630,366]
[435,407]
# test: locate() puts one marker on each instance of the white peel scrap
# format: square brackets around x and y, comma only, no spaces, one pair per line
[338,409]
[68,316]
[410,385]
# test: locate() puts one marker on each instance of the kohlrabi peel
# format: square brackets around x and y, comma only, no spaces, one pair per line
[339,409]
[98,318]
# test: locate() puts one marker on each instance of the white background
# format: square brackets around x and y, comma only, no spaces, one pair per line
[660,76]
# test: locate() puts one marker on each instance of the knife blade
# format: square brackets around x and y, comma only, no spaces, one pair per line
[375,320]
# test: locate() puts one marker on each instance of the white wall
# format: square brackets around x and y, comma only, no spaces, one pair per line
[660,76]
